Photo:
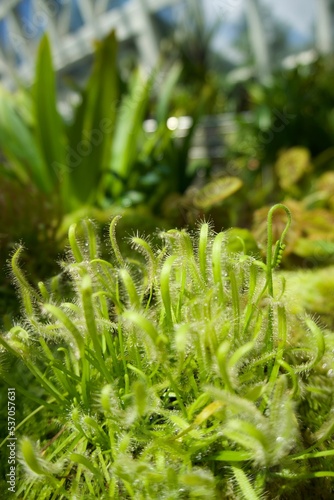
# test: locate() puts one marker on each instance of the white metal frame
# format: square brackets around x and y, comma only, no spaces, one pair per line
[132,21]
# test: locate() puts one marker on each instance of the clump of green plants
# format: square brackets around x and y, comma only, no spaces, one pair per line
[175,373]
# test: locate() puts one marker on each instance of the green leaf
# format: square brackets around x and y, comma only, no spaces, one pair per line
[319,346]
[283,422]
[80,459]
[48,122]
[307,248]
[145,325]
[130,288]
[250,437]
[292,166]
[326,431]
[90,135]
[19,145]
[232,456]
[244,484]
[128,130]
[167,90]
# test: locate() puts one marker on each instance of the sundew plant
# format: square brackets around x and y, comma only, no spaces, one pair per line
[176,373]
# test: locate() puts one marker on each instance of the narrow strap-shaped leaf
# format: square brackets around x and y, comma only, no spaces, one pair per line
[128,129]
[91,134]
[48,122]
[18,143]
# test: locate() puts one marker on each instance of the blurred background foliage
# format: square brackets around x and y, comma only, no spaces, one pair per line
[191,138]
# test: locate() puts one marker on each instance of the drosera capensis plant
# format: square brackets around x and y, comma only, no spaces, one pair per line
[177,373]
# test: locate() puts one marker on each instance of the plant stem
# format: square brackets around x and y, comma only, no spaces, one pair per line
[271,264]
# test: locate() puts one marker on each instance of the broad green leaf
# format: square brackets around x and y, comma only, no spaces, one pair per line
[48,122]
[91,135]
[19,145]
[128,131]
